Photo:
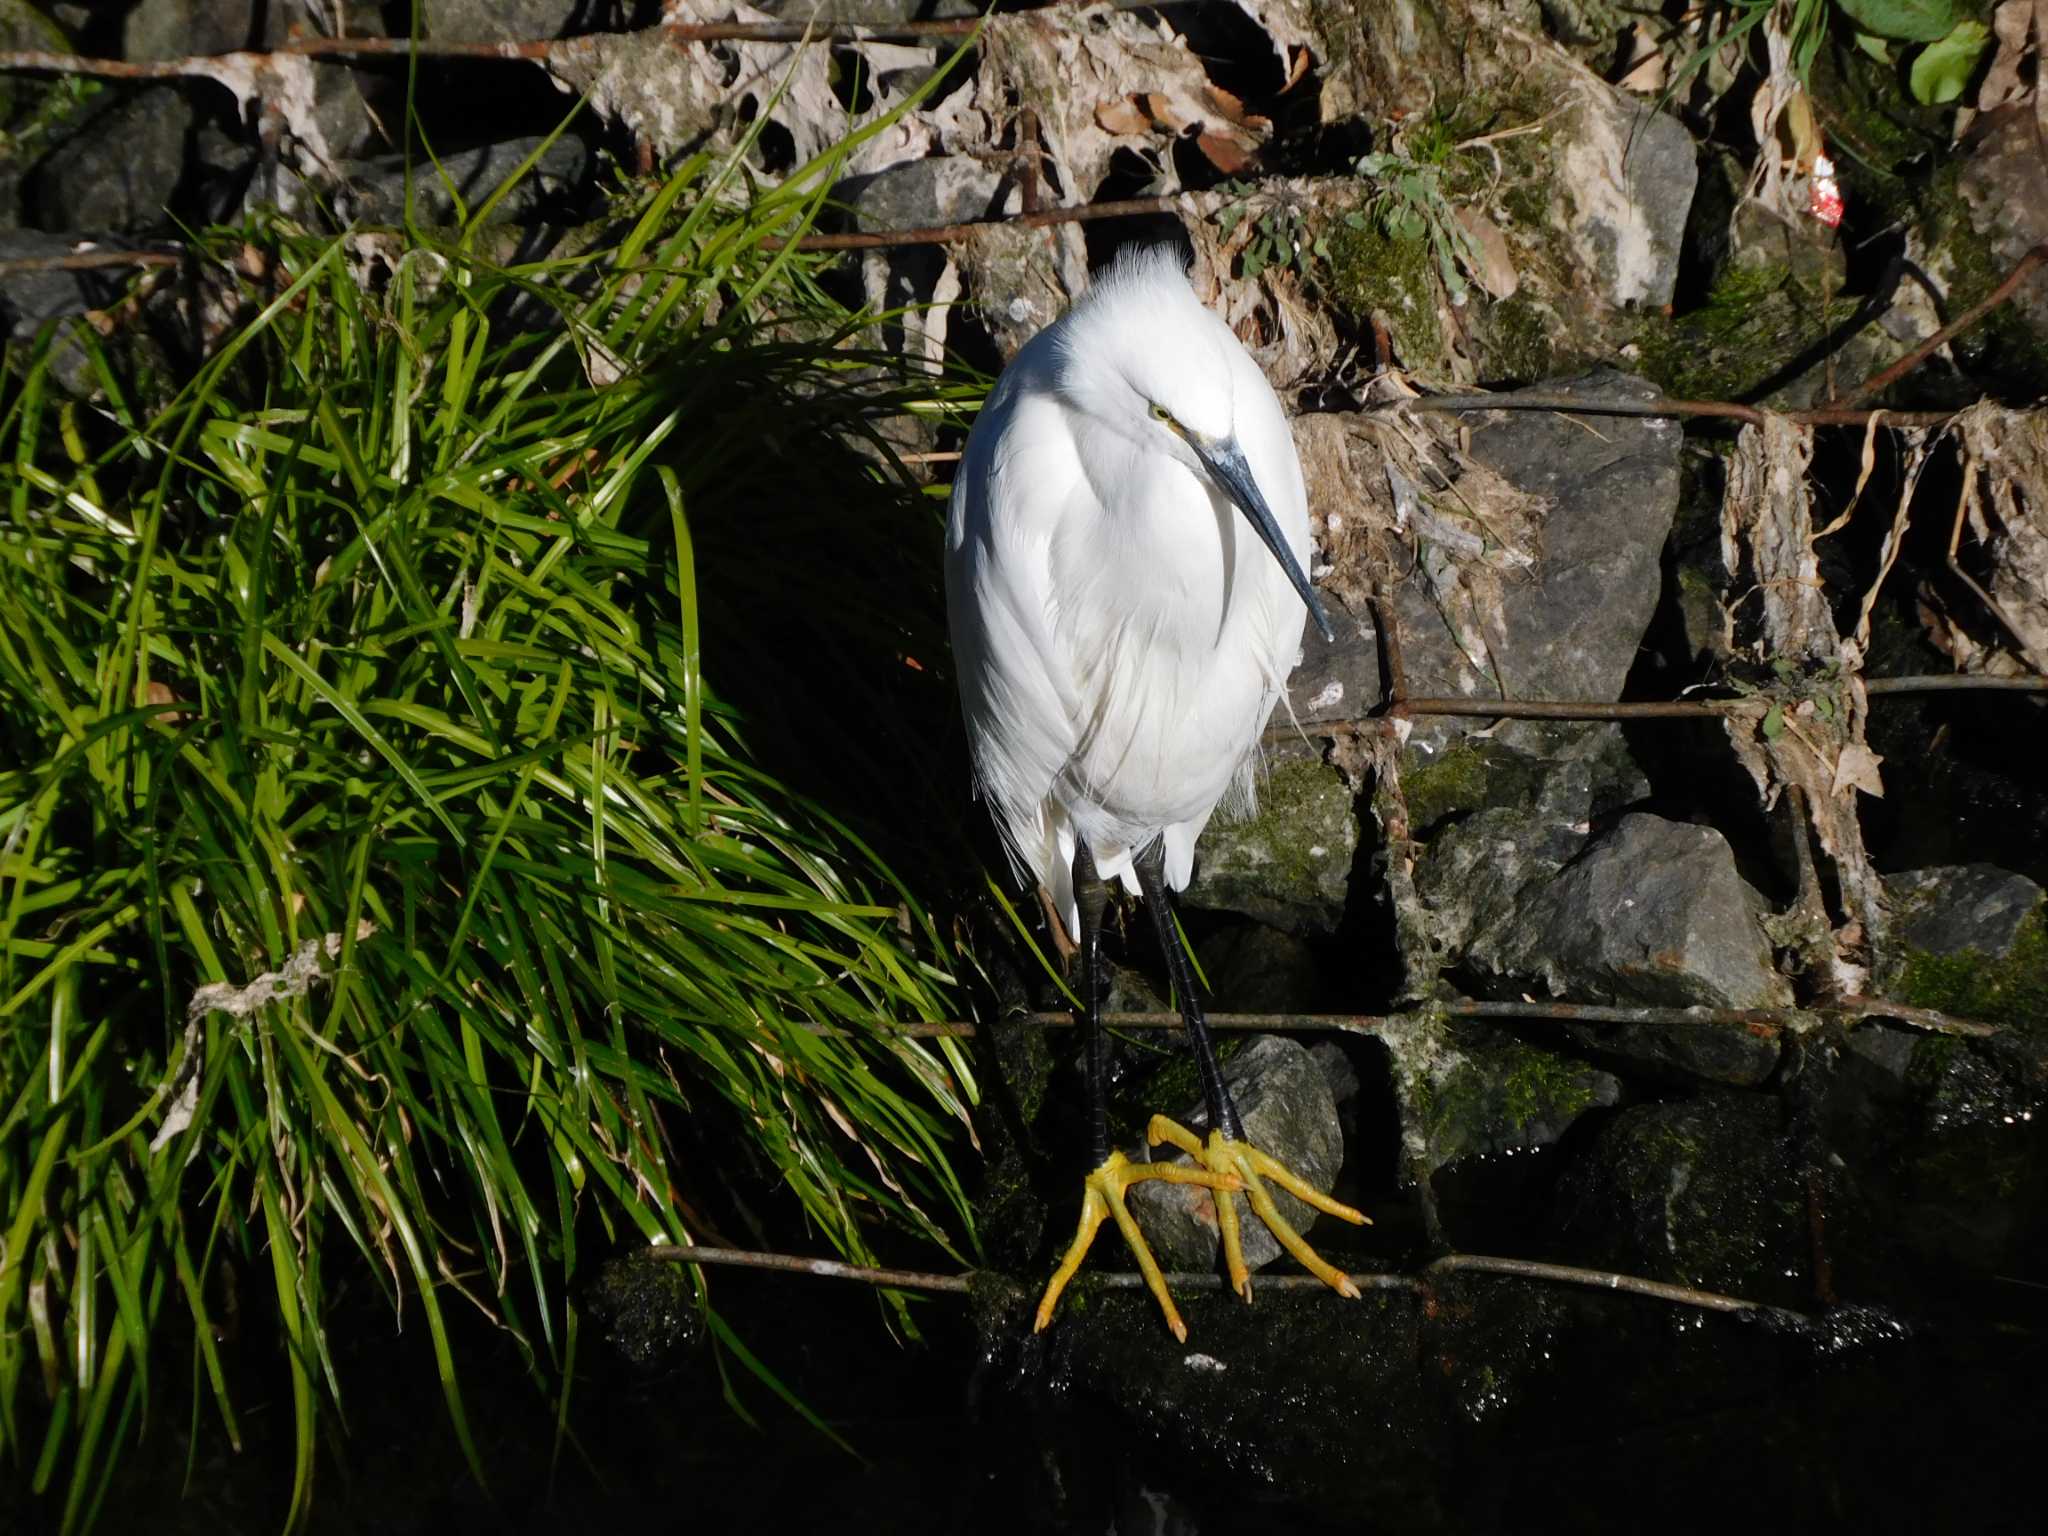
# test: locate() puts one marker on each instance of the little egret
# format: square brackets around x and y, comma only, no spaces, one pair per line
[1126,578]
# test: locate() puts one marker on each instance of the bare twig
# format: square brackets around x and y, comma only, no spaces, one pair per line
[950,234]
[1606,1280]
[1646,709]
[1904,1013]
[1587,405]
[1960,682]
[1571,709]
[88,261]
[1766,1022]
[2022,269]
[1126,1280]
[829,1269]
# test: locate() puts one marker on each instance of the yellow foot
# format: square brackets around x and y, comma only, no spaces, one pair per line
[1102,1195]
[1248,1167]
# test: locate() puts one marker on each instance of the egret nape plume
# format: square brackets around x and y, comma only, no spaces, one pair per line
[1127,579]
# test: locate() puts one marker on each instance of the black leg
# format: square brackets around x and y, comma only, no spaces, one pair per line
[1090,897]
[1152,881]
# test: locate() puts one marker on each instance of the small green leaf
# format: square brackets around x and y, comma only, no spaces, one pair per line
[1875,46]
[1355,220]
[1944,68]
[1774,722]
[1912,21]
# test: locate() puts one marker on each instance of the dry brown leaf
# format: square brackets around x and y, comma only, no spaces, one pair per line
[1496,268]
[1648,67]
[1227,154]
[1299,62]
[1856,768]
[672,98]
[1100,81]
[2005,497]
[1121,117]
[2010,24]
[1767,539]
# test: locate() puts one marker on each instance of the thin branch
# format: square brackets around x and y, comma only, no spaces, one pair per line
[829,1269]
[1767,1022]
[88,261]
[1660,405]
[1905,1013]
[1126,1280]
[1570,709]
[2022,269]
[1607,1280]
[950,234]
[1960,682]
[1647,709]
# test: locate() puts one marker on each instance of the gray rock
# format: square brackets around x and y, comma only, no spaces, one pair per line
[29,107]
[119,166]
[1568,628]
[1707,1193]
[877,11]
[172,29]
[1288,864]
[921,194]
[374,191]
[1338,678]
[1970,1177]
[1021,281]
[31,299]
[1573,632]
[499,21]
[1255,969]
[1680,1053]
[1289,1113]
[1652,913]
[1948,909]
[2001,187]
[1501,821]
[1629,175]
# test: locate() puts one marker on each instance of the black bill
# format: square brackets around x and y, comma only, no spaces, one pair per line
[1227,467]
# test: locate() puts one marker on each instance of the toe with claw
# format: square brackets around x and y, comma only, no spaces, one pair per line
[1103,1197]
[1248,1169]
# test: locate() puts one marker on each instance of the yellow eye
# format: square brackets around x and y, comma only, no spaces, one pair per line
[1161,413]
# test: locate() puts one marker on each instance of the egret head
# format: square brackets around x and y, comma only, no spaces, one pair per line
[1147,362]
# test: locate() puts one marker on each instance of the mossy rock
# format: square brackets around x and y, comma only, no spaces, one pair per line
[1372,273]
[1972,941]
[1486,1092]
[1288,864]
[1760,334]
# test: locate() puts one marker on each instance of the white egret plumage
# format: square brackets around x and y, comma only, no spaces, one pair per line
[1126,578]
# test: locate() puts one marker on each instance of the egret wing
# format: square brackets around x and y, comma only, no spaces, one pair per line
[1016,686]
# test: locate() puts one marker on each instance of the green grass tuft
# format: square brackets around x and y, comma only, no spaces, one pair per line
[392,880]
